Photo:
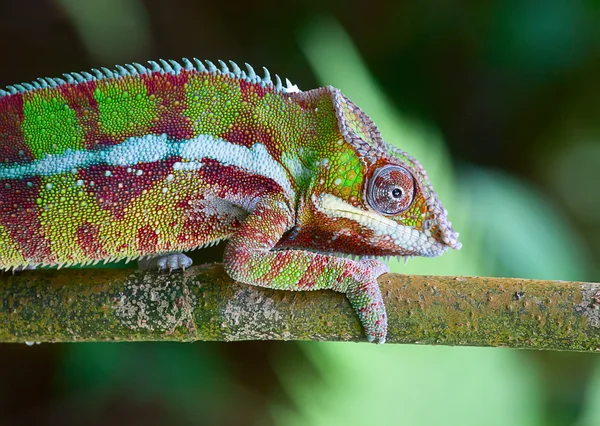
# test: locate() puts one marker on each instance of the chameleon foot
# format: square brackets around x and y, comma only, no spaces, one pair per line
[165,262]
[365,298]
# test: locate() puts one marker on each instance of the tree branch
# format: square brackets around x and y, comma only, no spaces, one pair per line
[204,304]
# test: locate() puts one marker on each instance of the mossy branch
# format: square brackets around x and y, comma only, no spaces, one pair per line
[204,304]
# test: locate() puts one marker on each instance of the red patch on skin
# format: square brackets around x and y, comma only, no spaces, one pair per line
[248,91]
[225,182]
[89,241]
[116,190]
[80,98]
[306,282]
[13,148]
[231,180]
[246,135]
[243,259]
[239,136]
[147,240]
[347,239]
[303,102]
[315,268]
[198,226]
[19,214]
[170,94]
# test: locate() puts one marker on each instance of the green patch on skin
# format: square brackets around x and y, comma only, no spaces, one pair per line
[125,108]
[346,174]
[413,216]
[326,125]
[301,164]
[213,104]
[284,119]
[329,273]
[50,126]
[9,249]
[292,272]
[323,145]
[313,128]
[64,206]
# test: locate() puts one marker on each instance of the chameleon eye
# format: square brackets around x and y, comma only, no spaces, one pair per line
[391,190]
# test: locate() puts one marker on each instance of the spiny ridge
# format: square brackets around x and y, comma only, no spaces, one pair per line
[163,67]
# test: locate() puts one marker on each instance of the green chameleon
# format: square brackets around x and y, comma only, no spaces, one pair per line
[149,162]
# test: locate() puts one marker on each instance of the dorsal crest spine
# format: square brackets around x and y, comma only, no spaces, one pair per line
[163,67]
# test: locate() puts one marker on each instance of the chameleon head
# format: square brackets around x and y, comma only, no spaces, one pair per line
[383,205]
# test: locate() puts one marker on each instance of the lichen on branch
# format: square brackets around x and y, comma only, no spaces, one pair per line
[203,303]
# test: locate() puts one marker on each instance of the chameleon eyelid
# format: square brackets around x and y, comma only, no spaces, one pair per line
[374,194]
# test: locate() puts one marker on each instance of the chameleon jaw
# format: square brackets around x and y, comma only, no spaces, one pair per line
[404,237]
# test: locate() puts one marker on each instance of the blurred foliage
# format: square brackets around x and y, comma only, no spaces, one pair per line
[189,380]
[507,88]
[128,20]
[416,385]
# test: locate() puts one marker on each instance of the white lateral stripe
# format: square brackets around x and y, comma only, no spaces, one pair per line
[255,159]
[152,148]
[403,236]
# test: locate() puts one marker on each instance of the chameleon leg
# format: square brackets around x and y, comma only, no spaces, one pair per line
[365,297]
[250,258]
[165,261]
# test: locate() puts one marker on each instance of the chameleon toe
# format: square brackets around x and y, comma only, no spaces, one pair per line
[170,262]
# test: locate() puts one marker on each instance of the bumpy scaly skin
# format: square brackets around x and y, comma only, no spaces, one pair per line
[143,162]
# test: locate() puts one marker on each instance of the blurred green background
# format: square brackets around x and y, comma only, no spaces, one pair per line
[499,100]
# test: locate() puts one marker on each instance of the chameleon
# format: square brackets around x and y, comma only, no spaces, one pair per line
[147,162]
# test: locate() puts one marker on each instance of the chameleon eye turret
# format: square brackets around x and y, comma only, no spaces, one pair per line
[391,190]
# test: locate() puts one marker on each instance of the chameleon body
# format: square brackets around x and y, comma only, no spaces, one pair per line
[150,162]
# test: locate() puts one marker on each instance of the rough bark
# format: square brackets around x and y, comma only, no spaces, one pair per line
[204,304]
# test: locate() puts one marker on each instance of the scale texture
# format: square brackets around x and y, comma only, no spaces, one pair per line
[149,162]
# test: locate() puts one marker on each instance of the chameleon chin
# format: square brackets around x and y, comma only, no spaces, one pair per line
[147,162]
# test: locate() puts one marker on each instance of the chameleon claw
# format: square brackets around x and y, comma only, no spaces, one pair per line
[164,262]
[372,338]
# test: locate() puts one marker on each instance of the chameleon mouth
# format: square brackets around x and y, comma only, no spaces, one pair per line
[409,240]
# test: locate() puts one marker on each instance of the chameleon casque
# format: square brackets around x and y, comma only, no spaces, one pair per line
[149,162]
